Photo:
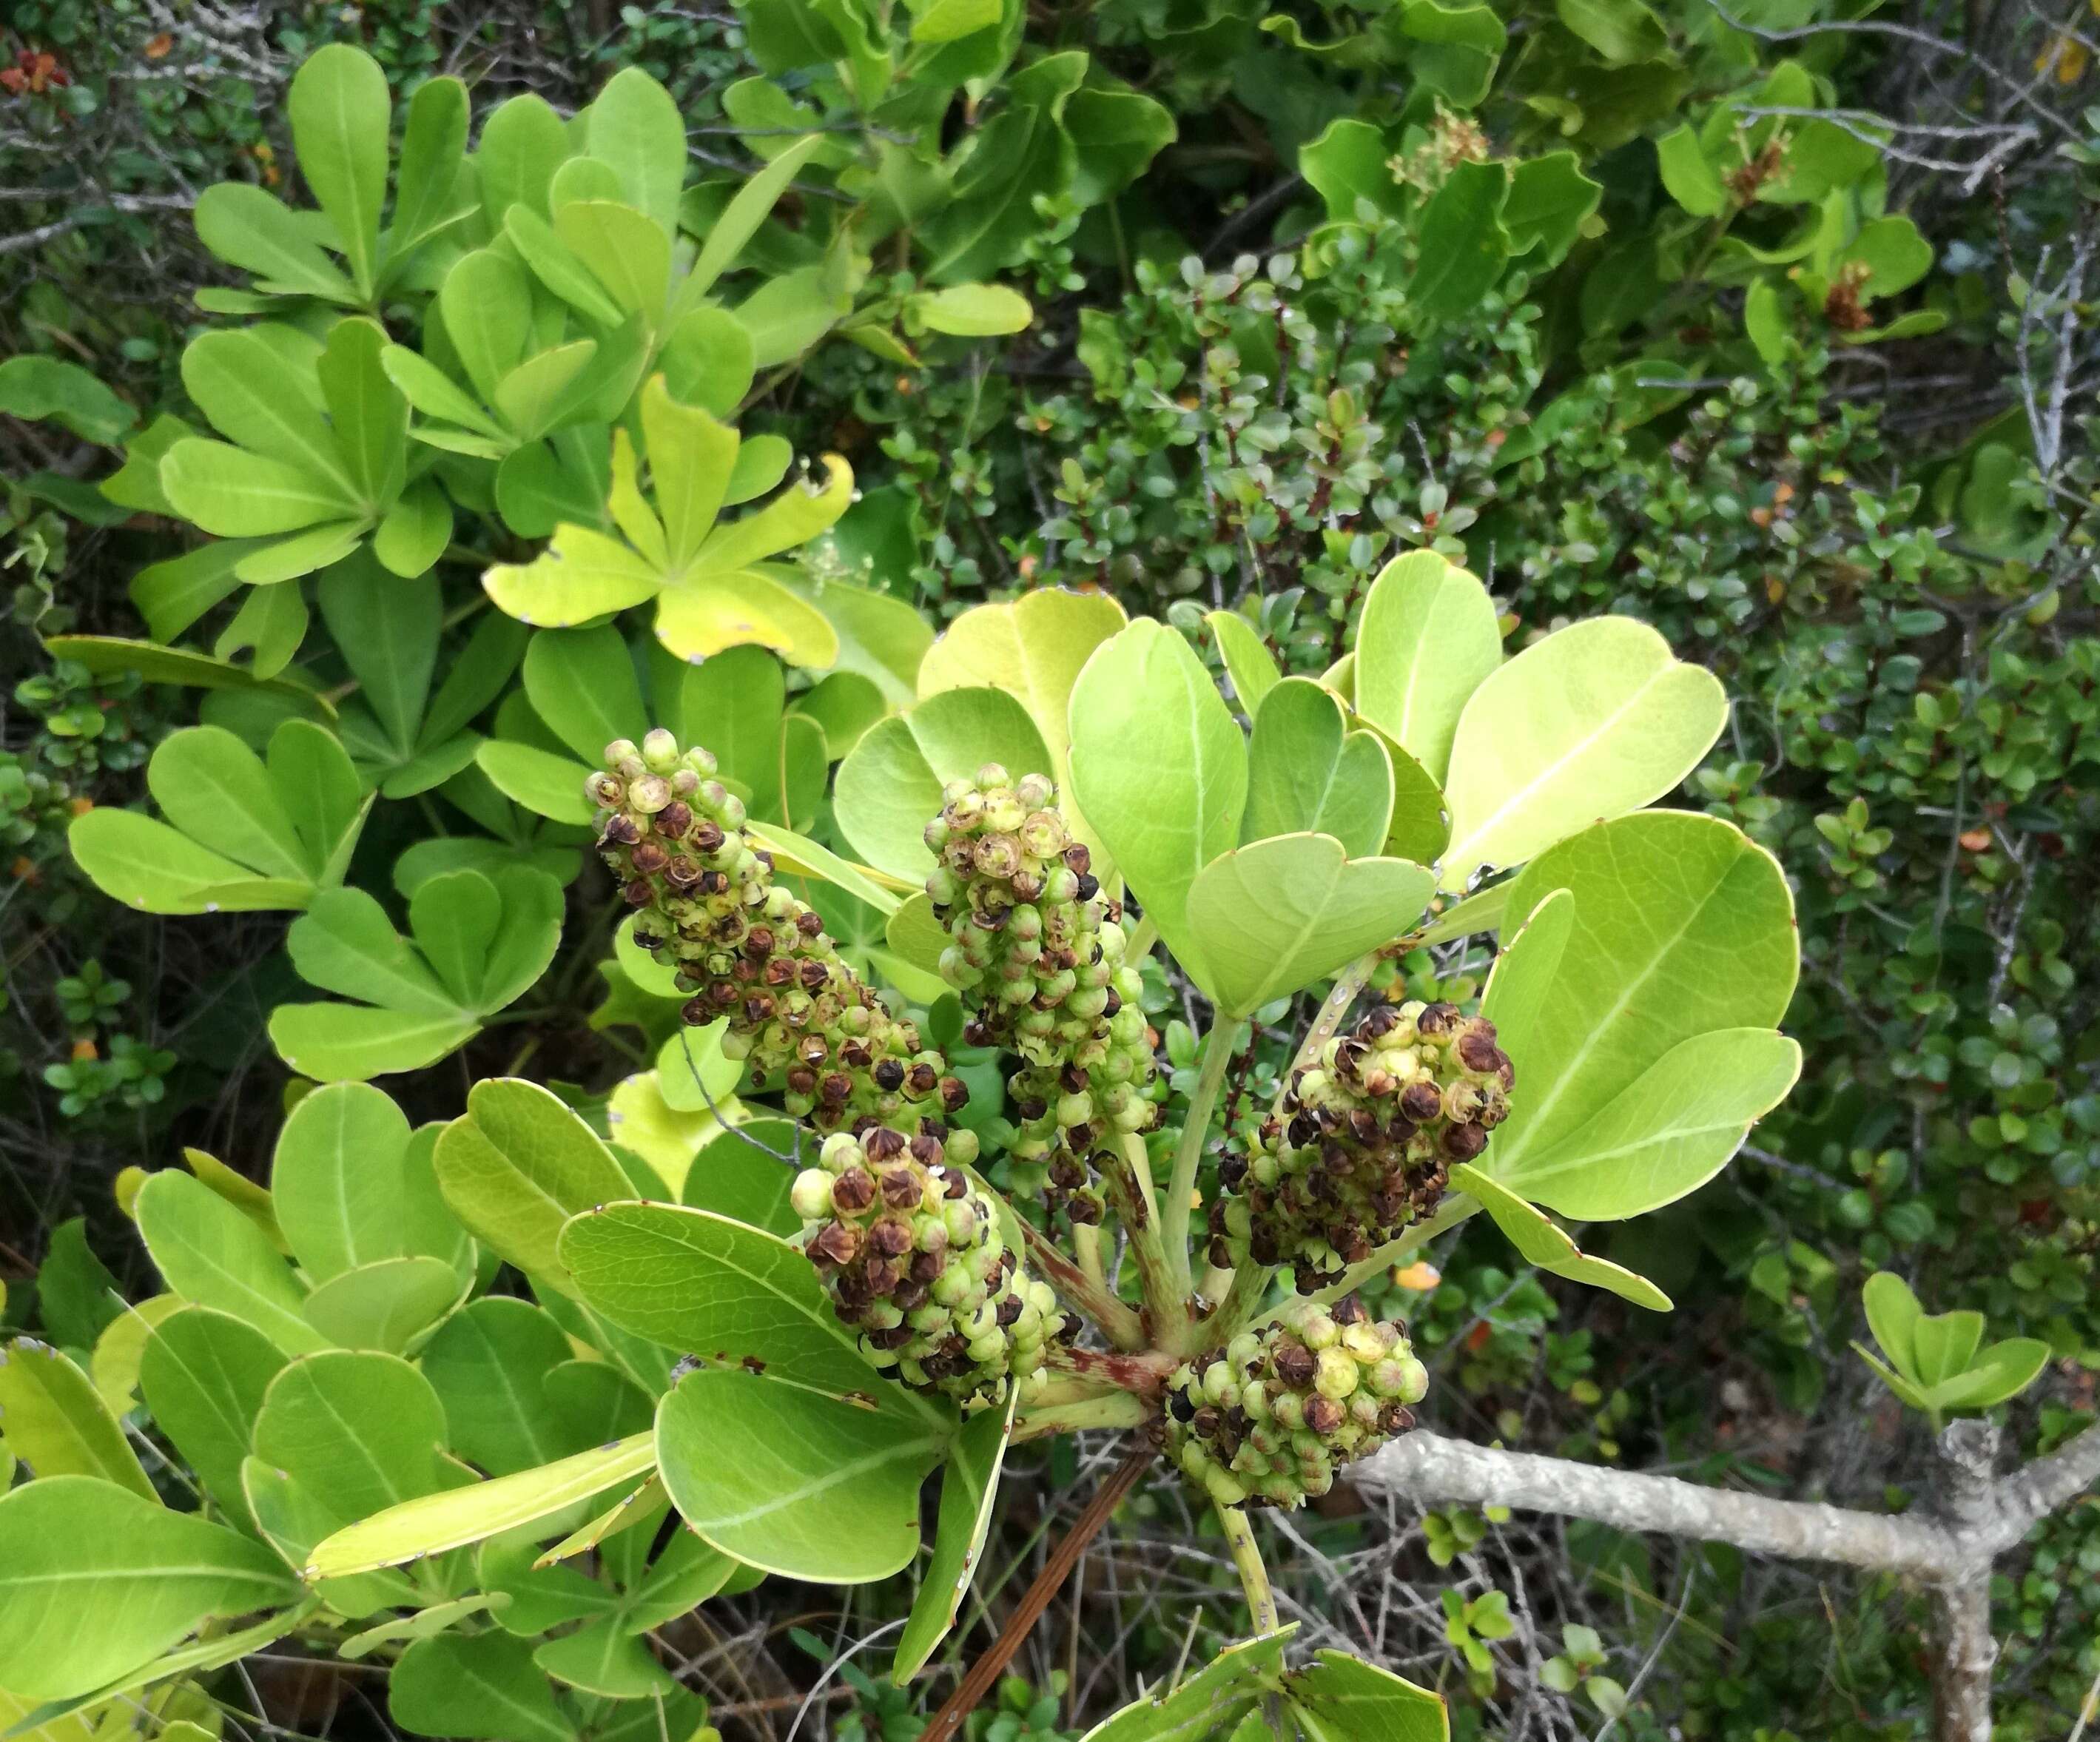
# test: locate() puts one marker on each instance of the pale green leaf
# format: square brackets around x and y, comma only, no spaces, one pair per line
[1594,721]
[1272,918]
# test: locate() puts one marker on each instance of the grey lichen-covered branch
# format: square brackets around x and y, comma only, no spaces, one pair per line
[1927,1545]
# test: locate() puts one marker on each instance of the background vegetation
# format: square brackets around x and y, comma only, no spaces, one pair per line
[1770,325]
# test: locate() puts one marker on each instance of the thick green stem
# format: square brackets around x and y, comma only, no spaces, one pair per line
[1128,1177]
[1254,1577]
[1077,1289]
[1249,1286]
[1111,1409]
[1217,1060]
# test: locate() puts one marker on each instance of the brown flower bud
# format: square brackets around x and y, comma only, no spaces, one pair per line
[854,1190]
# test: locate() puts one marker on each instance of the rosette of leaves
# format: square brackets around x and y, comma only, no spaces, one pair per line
[476,943]
[1062,128]
[711,583]
[1938,1362]
[238,833]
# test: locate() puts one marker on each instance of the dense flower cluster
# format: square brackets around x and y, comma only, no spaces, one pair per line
[1268,1419]
[1364,1141]
[1038,953]
[912,1256]
[747,949]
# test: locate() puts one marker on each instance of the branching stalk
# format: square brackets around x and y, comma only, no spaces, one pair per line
[1250,1286]
[1110,1408]
[1087,1294]
[1129,1181]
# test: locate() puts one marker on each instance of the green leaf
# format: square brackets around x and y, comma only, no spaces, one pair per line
[1688,174]
[46,390]
[1595,720]
[484,1686]
[203,1375]
[368,414]
[796,855]
[547,785]
[491,1362]
[747,209]
[889,786]
[428,189]
[479,943]
[240,832]
[1340,1695]
[1207,1703]
[1942,1344]
[635,126]
[1307,772]
[795,1481]
[1272,918]
[341,113]
[1033,648]
[1116,134]
[355,1430]
[972,312]
[734,1175]
[1248,661]
[706,1285]
[1158,766]
[580,576]
[95,1582]
[212,1255]
[431,1523]
[2000,1373]
[52,1419]
[232,493]
[338,1179]
[1893,1314]
[1544,1243]
[1666,1133]
[1682,926]
[516,1166]
[1347,163]
[385,1305]
[1522,979]
[1551,200]
[1464,245]
[247,226]
[1428,639]
[1621,31]
[601,1658]
[969,1485]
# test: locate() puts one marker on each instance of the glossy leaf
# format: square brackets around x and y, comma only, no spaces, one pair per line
[795,1481]
[53,1421]
[95,1581]
[1267,919]
[1682,926]
[1429,638]
[889,788]
[1307,773]
[516,1166]
[1542,1242]
[1594,721]
[969,1486]
[431,1523]
[1158,767]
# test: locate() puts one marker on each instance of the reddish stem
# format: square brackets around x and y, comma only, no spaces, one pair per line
[947,1722]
